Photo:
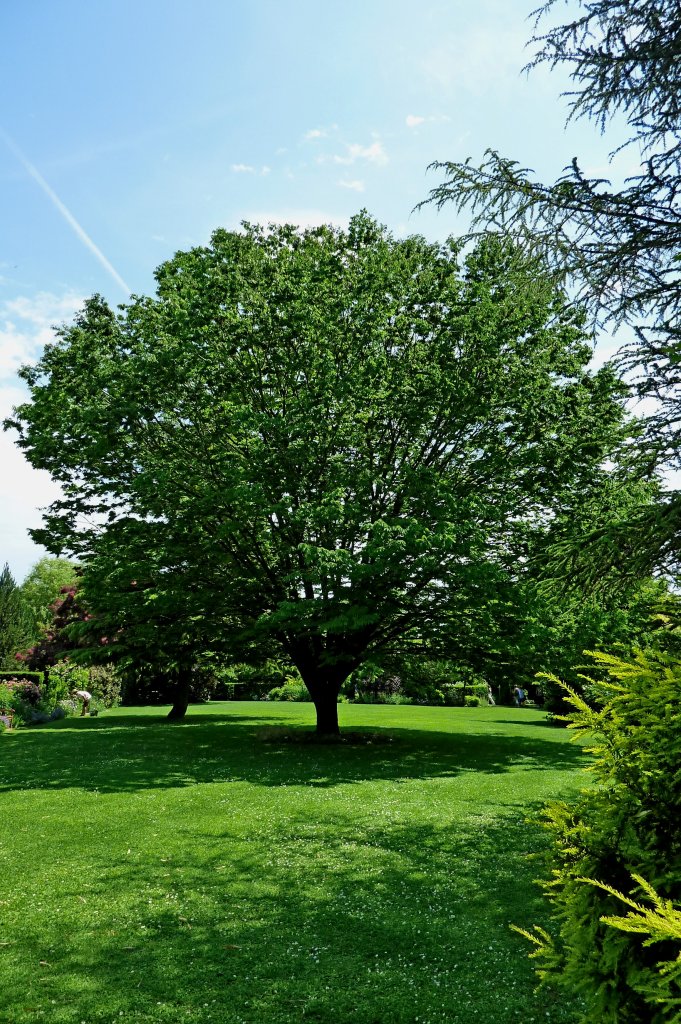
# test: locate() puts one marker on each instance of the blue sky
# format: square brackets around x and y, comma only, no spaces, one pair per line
[133,129]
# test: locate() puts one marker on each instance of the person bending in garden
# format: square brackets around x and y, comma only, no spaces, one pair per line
[86,698]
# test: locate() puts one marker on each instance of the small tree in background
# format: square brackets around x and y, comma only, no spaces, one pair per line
[14,621]
[41,588]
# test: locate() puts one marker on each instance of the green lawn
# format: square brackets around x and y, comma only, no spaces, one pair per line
[164,873]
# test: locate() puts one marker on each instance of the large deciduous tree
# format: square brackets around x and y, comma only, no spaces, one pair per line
[618,247]
[324,439]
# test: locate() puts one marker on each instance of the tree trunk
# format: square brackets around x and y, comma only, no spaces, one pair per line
[326,705]
[180,698]
[323,683]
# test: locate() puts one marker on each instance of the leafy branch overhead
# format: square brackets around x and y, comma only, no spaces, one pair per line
[618,248]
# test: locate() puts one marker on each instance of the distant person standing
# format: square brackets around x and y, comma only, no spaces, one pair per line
[490,696]
[86,698]
[519,696]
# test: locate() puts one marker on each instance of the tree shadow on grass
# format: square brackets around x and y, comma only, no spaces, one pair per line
[319,922]
[532,723]
[126,754]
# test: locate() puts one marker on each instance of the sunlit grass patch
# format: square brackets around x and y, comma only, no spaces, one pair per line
[155,873]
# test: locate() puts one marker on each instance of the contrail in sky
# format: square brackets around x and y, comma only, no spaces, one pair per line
[65,212]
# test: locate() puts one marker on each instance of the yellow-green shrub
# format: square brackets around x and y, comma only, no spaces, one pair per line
[626,825]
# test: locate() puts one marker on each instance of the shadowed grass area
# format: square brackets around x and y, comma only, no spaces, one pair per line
[156,873]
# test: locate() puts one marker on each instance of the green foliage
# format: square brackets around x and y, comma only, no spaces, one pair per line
[619,246]
[436,681]
[421,681]
[63,678]
[452,694]
[32,677]
[555,628]
[14,626]
[624,826]
[469,694]
[292,690]
[41,588]
[660,922]
[332,441]
[408,680]
[57,641]
[104,683]
[6,696]
[22,697]
[150,681]
[58,682]
[251,682]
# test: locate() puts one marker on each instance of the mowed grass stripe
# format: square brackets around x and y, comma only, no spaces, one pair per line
[156,873]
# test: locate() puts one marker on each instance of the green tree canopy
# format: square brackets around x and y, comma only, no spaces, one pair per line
[618,247]
[323,439]
[14,626]
[42,587]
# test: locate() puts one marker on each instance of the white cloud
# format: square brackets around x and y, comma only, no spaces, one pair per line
[44,308]
[354,151]
[250,169]
[623,165]
[26,326]
[23,491]
[414,120]
[356,185]
[17,347]
[319,133]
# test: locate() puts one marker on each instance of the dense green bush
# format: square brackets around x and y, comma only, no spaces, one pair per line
[6,697]
[32,677]
[33,704]
[471,694]
[564,633]
[292,689]
[62,679]
[150,684]
[625,826]
[104,683]
[22,697]
[660,922]
[252,682]
[371,684]
[433,682]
